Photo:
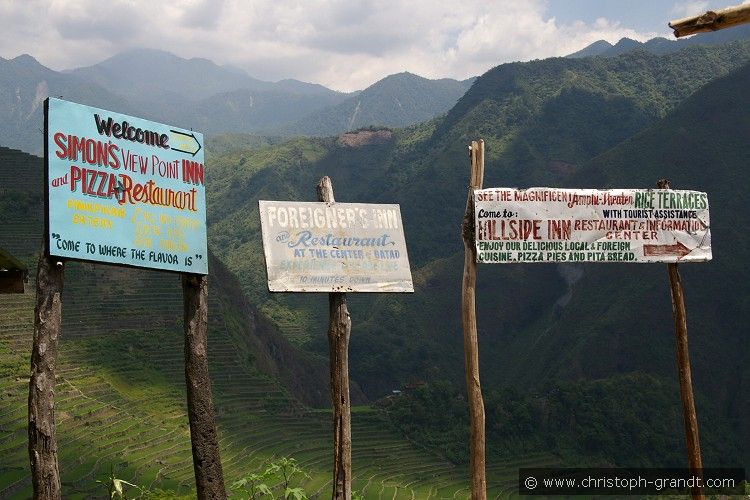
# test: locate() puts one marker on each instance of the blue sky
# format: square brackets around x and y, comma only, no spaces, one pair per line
[343,44]
[643,16]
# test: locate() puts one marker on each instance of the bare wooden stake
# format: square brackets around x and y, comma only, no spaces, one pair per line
[339,331]
[469,318]
[683,370]
[711,21]
[209,478]
[45,474]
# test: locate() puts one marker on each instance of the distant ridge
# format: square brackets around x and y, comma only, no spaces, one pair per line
[623,46]
[202,95]
[660,45]
[172,76]
[395,101]
[595,49]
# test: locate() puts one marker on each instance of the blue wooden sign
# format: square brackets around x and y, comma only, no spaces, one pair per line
[124,190]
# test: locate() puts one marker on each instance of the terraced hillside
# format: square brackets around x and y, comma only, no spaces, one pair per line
[120,386]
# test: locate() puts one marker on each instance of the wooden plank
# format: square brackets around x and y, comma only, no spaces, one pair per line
[683,370]
[209,477]
[469,319]
[339,331]
[711,21]
[45,473]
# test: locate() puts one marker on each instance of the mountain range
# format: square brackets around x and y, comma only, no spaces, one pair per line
[577,361]
[161,76]
[660,45]
[201,95]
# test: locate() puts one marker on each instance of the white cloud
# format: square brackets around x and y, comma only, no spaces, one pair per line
[689,9]
[343,44]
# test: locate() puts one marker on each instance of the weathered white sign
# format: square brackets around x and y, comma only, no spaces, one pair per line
[334,247]
[588,225]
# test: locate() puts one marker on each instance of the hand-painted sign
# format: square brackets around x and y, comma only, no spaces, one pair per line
[334,247]
[587,225]
[124,190]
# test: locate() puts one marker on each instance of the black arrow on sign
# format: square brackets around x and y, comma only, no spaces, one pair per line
[186,135]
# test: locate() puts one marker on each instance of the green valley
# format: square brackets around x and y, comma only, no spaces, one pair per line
[550,122]
[577,361]
[120,397]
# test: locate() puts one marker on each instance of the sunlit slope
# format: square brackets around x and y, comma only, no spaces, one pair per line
[608,325]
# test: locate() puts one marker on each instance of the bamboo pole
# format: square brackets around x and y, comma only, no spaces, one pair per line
[339,331]
[45,473]
[209,477]
[711,21]
[683,371]
[469,319]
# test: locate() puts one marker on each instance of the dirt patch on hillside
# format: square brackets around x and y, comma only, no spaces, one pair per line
[364,138]
[562,167]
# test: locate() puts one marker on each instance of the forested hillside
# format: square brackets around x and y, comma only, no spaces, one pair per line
[577,361]
[544,123]
[598,364]
[120,391]
[395,101]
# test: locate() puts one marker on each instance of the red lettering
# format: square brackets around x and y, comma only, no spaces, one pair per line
[75,176]
[112,186]
[92,181]
[127,185]
[103,176]
[515,229]
[60,141]
[114,161]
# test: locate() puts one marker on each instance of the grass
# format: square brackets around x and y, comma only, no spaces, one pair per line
[120,401]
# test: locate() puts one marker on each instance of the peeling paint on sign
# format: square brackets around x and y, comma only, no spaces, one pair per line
[334,247]
[588,225]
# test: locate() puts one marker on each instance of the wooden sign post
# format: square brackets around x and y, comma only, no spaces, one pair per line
[209,478]
[510,225]
[339,331]
[165,197]
[683,371]
[335,248]
[469,319]
[45,474]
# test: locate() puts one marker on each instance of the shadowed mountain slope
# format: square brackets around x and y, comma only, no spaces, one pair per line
[543,123]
